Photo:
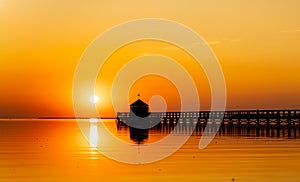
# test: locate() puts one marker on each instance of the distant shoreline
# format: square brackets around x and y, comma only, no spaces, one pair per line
[115,117]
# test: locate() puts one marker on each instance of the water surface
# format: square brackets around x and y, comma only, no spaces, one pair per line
[55,150]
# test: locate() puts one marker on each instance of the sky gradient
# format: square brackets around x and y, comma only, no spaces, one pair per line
[257,44]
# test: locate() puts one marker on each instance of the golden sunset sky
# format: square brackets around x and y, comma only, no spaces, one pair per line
[256,42]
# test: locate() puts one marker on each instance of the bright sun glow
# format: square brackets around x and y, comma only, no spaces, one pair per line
[94,99]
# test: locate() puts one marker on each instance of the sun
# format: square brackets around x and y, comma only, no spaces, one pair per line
[94,99]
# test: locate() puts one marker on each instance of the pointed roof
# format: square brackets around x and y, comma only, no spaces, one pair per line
[139,102]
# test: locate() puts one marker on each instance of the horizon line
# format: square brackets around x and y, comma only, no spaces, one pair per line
[115,117]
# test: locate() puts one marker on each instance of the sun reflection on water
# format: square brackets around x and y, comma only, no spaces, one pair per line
[93,138]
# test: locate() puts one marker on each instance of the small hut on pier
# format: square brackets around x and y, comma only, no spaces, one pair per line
[139,108]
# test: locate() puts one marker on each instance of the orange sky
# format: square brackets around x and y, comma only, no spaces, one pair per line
[257,43]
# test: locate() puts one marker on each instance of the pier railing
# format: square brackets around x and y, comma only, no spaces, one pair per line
[225,115]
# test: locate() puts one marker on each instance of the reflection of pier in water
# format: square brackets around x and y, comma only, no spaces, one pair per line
[269,123]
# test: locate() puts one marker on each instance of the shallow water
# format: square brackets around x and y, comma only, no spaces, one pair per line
[55,150]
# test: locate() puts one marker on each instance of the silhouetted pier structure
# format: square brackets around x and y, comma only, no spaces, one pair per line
[274,123]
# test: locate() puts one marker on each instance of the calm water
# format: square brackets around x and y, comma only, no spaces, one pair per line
[55,150]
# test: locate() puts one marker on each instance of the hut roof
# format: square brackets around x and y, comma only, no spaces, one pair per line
[138,102]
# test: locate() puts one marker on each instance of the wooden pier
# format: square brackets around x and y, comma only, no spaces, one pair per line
[276,123]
